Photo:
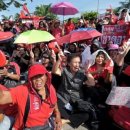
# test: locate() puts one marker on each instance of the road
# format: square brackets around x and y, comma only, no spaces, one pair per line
[68,127]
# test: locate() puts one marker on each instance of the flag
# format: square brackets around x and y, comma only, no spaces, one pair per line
[22,14]
[26,9]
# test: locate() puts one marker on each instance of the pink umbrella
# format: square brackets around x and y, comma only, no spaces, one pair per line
[64,8]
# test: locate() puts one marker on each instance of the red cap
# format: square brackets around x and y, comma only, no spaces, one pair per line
[35,70]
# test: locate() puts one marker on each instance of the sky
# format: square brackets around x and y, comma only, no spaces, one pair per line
[81,5]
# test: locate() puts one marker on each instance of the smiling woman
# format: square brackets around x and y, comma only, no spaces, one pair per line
[101,70]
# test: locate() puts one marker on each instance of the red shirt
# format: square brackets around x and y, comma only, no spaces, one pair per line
[94,68]
[39,111]
[69,28]
[121,22]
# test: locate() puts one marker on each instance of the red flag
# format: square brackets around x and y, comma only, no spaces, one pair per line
[26,9]
[22,14]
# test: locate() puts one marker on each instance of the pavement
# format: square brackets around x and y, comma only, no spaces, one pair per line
[68,127]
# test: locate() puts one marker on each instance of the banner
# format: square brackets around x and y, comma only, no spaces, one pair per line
[119,96]
[114,33]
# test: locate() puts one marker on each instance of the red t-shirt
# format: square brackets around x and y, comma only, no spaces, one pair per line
[121,22]
[69,28]
[96,76]
[39,111]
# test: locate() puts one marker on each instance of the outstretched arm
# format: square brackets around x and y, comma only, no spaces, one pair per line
[120,58]
[5,97]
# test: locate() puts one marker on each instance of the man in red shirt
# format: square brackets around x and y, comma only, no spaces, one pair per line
[69,26]
[42,96]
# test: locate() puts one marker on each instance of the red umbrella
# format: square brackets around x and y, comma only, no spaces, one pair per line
[78,35]
[5,36]
[2,59]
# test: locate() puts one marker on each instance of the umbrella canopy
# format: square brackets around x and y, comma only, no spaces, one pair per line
[5,36]
[2,59]
[78,35]
[64,8]
[34,36]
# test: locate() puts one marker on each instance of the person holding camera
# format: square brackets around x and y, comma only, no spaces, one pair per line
[10,73]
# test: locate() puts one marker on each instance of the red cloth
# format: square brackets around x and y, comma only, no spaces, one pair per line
[40,110]
[69,28]
[25,9]
[57,32]
[121,22]
[121,116]
[127,71]
[96,76]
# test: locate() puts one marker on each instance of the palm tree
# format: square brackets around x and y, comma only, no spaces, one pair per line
[44,10]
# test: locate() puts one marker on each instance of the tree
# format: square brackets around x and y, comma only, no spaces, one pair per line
[125,4]
[5,17]
[90,15]
[16,16]
[5,4]
[44,10]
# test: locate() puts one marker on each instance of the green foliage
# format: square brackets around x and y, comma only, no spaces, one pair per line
[5,17]
[16,16]
[125,4]
[116,11]
[90,15]
[44,10]
[4,4]
[75,20]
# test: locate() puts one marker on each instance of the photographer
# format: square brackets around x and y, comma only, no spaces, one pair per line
[10,73]
[22,58]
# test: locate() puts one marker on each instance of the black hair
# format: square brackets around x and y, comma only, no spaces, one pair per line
[72,56]
[124,11]
[43,23]
[69,19]
[101,53]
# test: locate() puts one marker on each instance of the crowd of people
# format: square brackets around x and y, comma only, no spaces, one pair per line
[42,87]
